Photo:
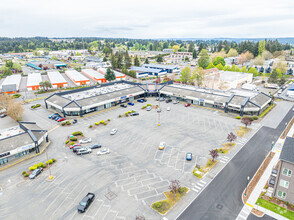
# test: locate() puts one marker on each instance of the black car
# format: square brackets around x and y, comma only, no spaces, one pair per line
[86,202]
[35,173]
[134,114]
[144,100]
[3,115]
[95,146]
[124,106]
[75,121]
[168,100]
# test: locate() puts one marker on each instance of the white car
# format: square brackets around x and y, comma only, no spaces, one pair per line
[104,151]
[84,151]
[113,131]
[168,108]
[85,140]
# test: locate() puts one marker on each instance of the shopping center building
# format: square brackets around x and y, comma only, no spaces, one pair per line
[96,98]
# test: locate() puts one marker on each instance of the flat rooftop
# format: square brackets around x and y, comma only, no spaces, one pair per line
[76,76]
[232,76]
[56,77]
[93,73]
[160,66]
[34,79]
[12,79]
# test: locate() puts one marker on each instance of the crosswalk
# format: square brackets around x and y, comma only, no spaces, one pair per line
[224,159]
[198,186]
[243,215]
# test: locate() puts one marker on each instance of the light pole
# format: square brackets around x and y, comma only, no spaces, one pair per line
[271,148]
[247,185]
[159,110]
[50,176]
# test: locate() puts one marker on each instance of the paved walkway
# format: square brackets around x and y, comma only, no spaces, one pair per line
[250,204]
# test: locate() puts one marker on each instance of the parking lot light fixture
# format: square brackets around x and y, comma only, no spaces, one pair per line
[272,146]
[50,176]
[246,185]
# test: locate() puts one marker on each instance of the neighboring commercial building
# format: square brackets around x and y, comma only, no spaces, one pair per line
[11,84]
[57,80]
[20,140]
[96,98]
[94,59]
[283,182]
[179,57]
[33,81]
[118,75]
[290,91]
[46,64]
[147,72]
[168,50]
[165,68]
[94,75]
[78,78]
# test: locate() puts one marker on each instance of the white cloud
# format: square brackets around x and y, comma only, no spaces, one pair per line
[147,19]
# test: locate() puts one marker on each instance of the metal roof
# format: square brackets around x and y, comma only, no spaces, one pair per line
[12,80]
[287,153]
[160,66]
[76,76]
[144,69]
[34,79]
[56,77]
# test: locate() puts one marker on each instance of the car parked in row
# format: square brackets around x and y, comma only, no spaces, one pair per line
[187,104]
[75,149]
[162,99]
[140,100]
[168,100]
[86,202]
[113,131]
[189,156]
[84,151]
[123,105]
[176,102]
[104,151]
[134,114]
[148,108]
[60,119]
[159,110]
[75,145]
[35,173]
[50,116]
[85,140]
[95,146]
[161,145]
[168,108]
[130,103]
[75,121]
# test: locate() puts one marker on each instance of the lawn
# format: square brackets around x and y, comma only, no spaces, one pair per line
[164,205]
[275,208]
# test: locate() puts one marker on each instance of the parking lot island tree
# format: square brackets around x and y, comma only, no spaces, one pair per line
[246,121]
[214,154]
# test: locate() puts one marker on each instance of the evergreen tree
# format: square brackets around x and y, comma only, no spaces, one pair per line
[159,59]
[136,61]
[109,76]
[128,61]
[194,54]
[146,61]
[204,59]
[191,47]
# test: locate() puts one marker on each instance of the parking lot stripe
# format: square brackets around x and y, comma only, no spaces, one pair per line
[195,190]
[201,181]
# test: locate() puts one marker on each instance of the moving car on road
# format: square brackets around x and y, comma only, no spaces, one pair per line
[83,151]
[104,151]
[85,140]
[86,202]
[113,131]
[35,173]
[187,104]
[161,145]
[189,156]
[95,146]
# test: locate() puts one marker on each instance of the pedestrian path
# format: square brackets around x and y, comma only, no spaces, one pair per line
[198,186]
[245,212]
[224,159]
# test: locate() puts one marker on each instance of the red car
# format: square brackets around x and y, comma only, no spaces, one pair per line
[187,104]
[75,145]
[61,119]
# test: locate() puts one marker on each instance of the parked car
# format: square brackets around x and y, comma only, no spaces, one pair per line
[130,103]
[159,110]
[187,104]
[60,119]
[157,98]
[168,100]
[161,145]
[124,106]
[3,115]
[189,156]
[168,108]
[144,100]
[176,102]
[85,140]
[140,100]
[75,145]
[50,116]
[75,121]
[86,202]
[83,151]
[134,114]
[104,151]
[162,99]
[113,131]
[35,173]
[94,146]
[55,116]
[75,149]
[148,108]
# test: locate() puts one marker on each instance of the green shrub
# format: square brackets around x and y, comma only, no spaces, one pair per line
[77,133]
[105,123]
[23,172]
[36,165]
[38,105]
[102,122]
[266,187]
[143,107]
[50,161]
[133,111]
[72,143]
[33,106]
[26,174]
[67,142]
[63,123]
[238,117]
[16,95]
[32,168]
[126,114]
[108,119]
[97,123]
[182,190]
[119,116]
[44,166]
[149,105]
[47,162]
[73,139]
[68,122]
[158,205]
[90,126]
[53,159]
[254,117]
[129,112]
[40,164]
[248,118]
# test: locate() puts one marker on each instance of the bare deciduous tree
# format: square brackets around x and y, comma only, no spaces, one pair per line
[231,137]
[246,121]
[214,154]
[174,186]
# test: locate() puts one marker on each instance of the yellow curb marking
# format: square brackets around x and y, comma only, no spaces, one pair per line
[57,126]
[249,204]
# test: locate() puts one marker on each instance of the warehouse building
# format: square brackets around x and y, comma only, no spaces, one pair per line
[96,98]
[94,75]
[11,84]
[164,68]
[118,75]
[46,64]
[33,82]
[20,140]
[78,78]
[142,72]
[57,80]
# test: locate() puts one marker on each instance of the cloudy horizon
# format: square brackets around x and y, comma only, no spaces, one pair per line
[152,19]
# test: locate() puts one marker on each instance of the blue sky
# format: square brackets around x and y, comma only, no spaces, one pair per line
[147,19]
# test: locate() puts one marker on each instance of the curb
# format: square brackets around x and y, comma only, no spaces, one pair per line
[3,168]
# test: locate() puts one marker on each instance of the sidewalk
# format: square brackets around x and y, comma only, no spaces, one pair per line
[250,204]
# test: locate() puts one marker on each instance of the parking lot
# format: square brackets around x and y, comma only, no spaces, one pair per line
[129,179]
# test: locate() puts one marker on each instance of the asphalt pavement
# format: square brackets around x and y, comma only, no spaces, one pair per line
[221,199]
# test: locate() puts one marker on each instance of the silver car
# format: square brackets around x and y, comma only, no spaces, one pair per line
[85,140]
[84,151]
[113,131]
[148,108]
[104,151]
[168,108]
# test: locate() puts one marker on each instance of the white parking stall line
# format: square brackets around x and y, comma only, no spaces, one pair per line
[201,181]
[197,187]
[195,190]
